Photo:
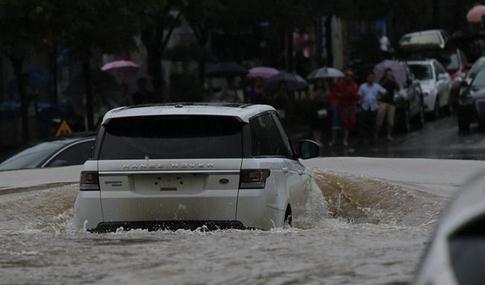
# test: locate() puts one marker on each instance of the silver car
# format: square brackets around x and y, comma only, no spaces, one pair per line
[456,253]
[193,165]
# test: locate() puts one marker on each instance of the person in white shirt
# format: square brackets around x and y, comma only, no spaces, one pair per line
[384,44]
[369,104]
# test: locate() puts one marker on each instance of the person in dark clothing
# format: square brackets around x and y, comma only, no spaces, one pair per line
[256,94]
[143,95]
[387,107]
[317,102]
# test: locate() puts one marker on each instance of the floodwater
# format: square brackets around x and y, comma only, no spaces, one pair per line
[361,231]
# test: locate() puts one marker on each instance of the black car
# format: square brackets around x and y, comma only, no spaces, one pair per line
[471,102]
[59,152]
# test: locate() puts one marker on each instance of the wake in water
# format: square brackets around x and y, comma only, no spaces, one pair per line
[37,244]
[369,200]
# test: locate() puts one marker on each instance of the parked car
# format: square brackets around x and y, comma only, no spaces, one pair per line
[429,38]
[471,102]
[474,69]
[409,103]
[53,153]
[455,254]
[456,64]
[192,165]
[435,84]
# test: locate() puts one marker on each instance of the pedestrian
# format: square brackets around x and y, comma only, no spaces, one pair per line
[256,94]
[387,107]
[344,100]
[318,95]
[384,43]
[369,92]
[232,93]
[143,95]
[282,103]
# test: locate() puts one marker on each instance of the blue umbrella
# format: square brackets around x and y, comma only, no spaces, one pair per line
[293,81]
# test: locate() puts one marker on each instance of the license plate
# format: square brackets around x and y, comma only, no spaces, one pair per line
[167,183]
[159,183]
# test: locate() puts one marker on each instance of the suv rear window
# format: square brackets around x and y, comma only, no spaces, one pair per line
[172,137]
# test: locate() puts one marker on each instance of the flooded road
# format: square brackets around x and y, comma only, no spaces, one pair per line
[365,231]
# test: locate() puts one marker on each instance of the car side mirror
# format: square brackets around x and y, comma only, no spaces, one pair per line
[308,149]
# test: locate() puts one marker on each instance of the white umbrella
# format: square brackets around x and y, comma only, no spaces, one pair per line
[325,72]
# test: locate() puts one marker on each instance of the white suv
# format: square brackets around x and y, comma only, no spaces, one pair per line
[436,84]
[192,165]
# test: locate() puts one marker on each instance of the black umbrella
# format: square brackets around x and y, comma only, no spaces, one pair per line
[293,81]
[225,69]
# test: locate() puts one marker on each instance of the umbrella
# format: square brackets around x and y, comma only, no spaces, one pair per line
[119,64]
[225,69]
[326,72]
[293,81]
[263,72]
[398,70]
[476,14]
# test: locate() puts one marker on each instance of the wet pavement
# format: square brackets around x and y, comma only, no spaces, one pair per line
[438,139]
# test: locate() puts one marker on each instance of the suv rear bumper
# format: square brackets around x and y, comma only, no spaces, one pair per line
[168,225]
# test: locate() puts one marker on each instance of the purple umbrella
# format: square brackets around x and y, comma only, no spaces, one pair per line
[398,70]
[119,64]
[263,72]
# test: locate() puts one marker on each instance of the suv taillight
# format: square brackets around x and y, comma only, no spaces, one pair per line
[89,181]
[253,178]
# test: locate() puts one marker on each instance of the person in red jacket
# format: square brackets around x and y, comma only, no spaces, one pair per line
[343,100]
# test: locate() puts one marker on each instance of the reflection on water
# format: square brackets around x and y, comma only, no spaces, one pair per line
[365,231]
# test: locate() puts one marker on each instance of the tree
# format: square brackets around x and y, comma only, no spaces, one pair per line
[21,30]
[158,19]
[204,17]
[86,26]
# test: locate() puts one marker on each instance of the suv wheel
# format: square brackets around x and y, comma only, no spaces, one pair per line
[288,216]
[406,121]
[451,106]
[420,120]
[463,125]
[436,111]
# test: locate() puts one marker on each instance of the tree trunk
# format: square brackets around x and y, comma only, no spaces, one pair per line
[88,85]
[154,61]
[290,67]
[17,65]
[53,72]
[155,42]
[203,40]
